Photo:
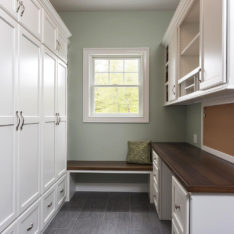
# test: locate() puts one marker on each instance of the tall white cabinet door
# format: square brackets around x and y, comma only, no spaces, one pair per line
[61,127]
[213,28]
[29,100]
[60,148]
[8,48]
[172,67]
[48,158]
[11,6]
[30,16]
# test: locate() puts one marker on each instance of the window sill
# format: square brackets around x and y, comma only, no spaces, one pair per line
[116,119]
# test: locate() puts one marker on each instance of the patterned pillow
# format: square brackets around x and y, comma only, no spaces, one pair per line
[139,152]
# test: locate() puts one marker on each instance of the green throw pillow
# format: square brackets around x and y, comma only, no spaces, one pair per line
[139,152]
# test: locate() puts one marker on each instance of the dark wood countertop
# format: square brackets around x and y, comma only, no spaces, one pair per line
[197,170]
[107,166]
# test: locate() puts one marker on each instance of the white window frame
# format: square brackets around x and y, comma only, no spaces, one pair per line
[88,57]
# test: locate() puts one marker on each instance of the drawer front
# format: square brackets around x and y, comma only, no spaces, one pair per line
[175,229]
[155,171]
[12,229]
[61,190]
[156,196]
[48,206]
[29,222]
[155,157]
[180,205]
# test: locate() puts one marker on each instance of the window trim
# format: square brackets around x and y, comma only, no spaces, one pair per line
[88,55]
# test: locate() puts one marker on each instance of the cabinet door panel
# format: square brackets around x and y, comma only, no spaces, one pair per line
[8,139]
[29,97]
[10,6]
[172,67]
[61,90]
[31,17]
[49,78]
[48,154]
[213,43]
[28,165]
[60,148]
[50,33]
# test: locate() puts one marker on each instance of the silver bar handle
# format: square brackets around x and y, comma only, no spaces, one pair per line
[22,125]
[30,228]
[22,12]
[59,119]
[18,120]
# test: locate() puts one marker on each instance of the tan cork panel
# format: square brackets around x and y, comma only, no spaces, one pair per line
[218,128]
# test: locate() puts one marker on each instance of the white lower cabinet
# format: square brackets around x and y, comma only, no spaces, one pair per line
[180,207]
[161,187]
[48,205]
[29,222]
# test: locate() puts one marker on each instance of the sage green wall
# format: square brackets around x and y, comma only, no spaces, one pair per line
[193,123]
[105,141]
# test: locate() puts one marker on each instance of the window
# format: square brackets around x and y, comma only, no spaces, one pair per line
[116,85]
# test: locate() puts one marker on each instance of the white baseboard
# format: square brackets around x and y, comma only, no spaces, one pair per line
[112,187]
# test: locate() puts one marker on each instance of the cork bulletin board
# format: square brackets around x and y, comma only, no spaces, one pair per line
[218,128]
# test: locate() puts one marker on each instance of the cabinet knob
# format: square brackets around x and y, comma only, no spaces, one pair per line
[177,207]
[62,191]
[49,205]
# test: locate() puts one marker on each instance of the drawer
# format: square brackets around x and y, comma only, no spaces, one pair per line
[12,229]
[155,170]
[156,197]
[61,190]
[48,206]
[156,182]
[29,222]
[155,157]
[180,205]
[174,228]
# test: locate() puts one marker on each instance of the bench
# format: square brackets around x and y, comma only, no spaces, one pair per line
[108,167]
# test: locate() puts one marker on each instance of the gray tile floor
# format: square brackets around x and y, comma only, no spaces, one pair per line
[108,213]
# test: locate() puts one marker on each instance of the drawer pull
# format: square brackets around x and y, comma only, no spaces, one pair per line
[30,228]
[61,191]
[49,205]
[177,207]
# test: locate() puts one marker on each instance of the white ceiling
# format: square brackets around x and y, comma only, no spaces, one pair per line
[113,5]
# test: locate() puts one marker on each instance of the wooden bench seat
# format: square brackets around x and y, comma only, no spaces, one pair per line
[106,166]
[102,167]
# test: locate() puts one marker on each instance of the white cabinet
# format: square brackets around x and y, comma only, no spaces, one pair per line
[29,111]
[49,33]
[213,42]
[180,207]
[161,187]
[30,16]
[12,6]
[29,222]
[62,46]
[8,121]
[49,120]
[172,68]
[61,125]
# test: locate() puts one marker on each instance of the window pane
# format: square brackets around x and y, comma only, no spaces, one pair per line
[116,78]
[116,65]
[101,65]
[131,78]
[116,100]
[131,65]
[101,79]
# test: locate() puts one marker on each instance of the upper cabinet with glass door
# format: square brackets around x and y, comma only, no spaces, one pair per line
[205,48]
